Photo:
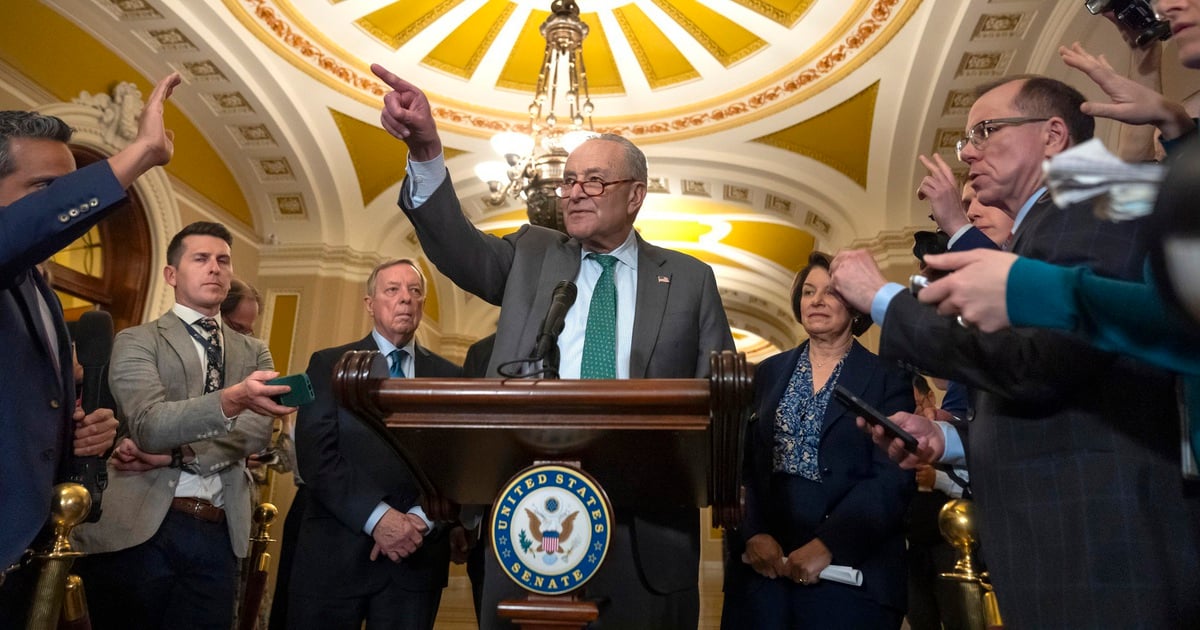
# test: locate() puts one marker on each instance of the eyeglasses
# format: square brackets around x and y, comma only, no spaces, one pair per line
[978,135]
[591,187]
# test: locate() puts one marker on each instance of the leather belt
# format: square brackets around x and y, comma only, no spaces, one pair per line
[198,509]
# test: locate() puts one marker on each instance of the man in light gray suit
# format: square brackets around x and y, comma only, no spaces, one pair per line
[662,318]
[193,403]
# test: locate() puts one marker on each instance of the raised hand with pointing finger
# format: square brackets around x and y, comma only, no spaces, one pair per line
[408,116]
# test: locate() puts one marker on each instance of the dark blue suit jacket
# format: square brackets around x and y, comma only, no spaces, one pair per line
[973,238]
[36,402]
[348,470]
[865,494]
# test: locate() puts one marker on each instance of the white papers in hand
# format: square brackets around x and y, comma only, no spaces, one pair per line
[834,573]
[842,574]
[1122,191]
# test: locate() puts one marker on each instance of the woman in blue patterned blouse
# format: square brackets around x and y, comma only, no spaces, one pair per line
[818,492]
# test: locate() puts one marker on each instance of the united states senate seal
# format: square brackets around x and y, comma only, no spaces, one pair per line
[551,528]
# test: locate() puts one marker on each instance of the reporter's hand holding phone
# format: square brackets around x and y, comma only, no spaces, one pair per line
[874,417]
[255,394]
[300,393]
[931,444]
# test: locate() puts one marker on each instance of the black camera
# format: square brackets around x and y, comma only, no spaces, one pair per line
[926,242]
[1136,15]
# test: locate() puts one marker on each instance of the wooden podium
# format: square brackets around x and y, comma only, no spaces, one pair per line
[465,438]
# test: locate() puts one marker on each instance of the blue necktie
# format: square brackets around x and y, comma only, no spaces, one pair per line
[600,337]
[397,356]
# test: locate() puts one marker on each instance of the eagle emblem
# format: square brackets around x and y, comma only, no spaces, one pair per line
[551,531]
[551,528]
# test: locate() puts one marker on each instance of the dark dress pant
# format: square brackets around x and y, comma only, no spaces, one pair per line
[391,608]
[184,577]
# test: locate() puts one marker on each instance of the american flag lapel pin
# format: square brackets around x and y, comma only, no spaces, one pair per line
[664,279]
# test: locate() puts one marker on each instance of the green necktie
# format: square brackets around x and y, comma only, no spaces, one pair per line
[600,338]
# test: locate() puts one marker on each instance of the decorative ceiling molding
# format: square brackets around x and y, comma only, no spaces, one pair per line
[848,45]
[839,137]
[107,123]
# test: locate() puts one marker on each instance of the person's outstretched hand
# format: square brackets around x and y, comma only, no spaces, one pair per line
[154,144]
[407,115]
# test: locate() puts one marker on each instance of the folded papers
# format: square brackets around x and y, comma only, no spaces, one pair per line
[833,573]
[1121,191]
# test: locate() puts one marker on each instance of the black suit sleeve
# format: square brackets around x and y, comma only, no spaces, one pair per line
[1029,365]
[340,484]
[973,238]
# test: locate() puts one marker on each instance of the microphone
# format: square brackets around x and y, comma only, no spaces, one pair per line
[93,347]
[547,341]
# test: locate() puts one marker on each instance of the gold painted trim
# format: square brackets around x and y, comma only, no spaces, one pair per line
[773,13]
[401,38]
[485,44]
[774,98]
[771,94]
[724,57]
[639,52]
[284,308]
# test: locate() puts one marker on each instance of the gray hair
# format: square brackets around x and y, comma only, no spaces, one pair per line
[392,263]
[635,160]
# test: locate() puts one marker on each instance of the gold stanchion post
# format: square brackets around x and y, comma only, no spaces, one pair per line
[260,566]
[69,506]
[980,609]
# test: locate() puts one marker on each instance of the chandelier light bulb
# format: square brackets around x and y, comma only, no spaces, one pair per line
[491,172]
[573,139]
[536,159]
[512,143]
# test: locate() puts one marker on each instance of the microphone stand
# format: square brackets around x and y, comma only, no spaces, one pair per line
[550,362]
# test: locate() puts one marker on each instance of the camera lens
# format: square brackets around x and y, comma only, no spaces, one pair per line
[1160,30]
[1096,7]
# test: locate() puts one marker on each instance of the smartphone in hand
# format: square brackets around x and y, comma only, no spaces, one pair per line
[302,390]
[873,416]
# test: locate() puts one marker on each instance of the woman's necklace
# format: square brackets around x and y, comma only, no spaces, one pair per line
[812,358]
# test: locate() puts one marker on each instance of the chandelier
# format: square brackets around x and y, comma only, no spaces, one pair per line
[534,161]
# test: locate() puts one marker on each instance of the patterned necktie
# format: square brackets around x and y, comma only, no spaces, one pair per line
[600,338]
[397,357]
[212,353]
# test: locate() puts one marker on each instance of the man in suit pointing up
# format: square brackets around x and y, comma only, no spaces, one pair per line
[641,312]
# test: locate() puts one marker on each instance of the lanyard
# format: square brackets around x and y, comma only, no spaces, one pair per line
[205,343]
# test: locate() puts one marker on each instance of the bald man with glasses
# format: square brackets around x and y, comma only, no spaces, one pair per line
[1074,453]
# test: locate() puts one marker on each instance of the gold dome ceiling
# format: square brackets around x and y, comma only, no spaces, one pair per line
[771,127]
[657,69]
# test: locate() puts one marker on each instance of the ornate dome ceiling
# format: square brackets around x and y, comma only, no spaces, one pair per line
[657,69]
[772,127]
